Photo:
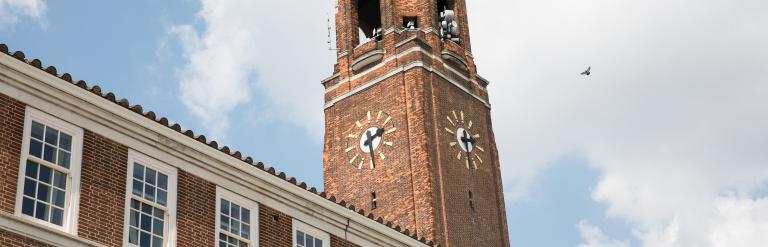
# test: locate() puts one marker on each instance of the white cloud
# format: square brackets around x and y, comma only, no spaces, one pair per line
[274,48]
[594,237]
[673,115]
[11,10]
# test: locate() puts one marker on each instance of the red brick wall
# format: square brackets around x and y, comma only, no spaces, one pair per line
[10,239]
[196,211]
[102,190]
[275,228]
[11,133]
[421,186]
[340,242]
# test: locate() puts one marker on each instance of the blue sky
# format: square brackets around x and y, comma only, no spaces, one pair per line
[664,145]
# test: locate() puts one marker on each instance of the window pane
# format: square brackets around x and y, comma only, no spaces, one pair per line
[146,209]
[65,142]
[37,130]
[162,181]
[41,211]
[235,227]
[31,169]
[138,171]
[137,187]
[57,216]
[299,238]
[60,180]
[49,154]
[149,192]
[225,223]
[27,206]
[63,159]
[134,218]
[159,213]
[133,236]
[246,232]
[246,217]
[161,197]
[29,187]
[135,204]
[36,148]
[58,198]
[145,238]
[157,227]
[157,241]
[51,136]
[45,174]
[43,191]
[318,243]
[146,223]
[225,207]
[310,241]
[150,176]
[235,211]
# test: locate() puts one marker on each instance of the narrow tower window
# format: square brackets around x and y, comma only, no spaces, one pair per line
[410,22]
[471,202]
[369,20]
[373,200]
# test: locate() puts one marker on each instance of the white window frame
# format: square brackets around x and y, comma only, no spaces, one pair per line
[307,229]
[169,235]
[222,193]
[72,195]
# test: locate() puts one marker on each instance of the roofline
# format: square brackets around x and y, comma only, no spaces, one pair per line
[101,113]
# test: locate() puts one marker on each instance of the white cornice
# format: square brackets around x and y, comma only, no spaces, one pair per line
[412,65]
[47,93]
[30,229]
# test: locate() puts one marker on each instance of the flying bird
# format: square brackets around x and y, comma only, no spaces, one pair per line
[586,72]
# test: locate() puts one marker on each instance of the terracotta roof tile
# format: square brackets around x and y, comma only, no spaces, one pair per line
[109,96]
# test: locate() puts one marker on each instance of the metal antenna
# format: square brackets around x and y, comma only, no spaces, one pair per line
[331,47]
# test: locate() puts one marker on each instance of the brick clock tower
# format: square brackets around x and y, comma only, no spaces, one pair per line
[407,122]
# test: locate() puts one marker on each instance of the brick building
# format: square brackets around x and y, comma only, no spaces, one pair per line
[409,156]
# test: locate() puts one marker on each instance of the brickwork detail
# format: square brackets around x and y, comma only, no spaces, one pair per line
[196,211]
[9,239]
[421,185]
[11,134]
[275,228]
[102,190]
[340,242]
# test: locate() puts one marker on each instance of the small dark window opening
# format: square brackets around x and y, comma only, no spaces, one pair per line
[442,5]
[275,217]
[471,202]
[373,200]
[410,22]
[369,20]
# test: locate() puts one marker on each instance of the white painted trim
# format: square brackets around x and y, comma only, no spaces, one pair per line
[27,228]
[169,233]
[41,90]
[222,193]
[72,195]
[312,231]
[395,71]
[375,81]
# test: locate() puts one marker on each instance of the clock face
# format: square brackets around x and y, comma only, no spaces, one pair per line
[463,141]
[369,140]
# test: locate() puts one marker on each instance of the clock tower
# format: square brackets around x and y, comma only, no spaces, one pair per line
[408,132]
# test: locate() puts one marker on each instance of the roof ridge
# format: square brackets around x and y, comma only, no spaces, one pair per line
[138,109]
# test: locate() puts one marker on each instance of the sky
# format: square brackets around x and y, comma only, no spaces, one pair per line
[665,144]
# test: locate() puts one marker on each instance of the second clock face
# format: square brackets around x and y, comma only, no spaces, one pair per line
[368,141]
[463,140]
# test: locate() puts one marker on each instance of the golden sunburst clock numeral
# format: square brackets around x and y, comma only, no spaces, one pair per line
[458,128]
[369,140]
